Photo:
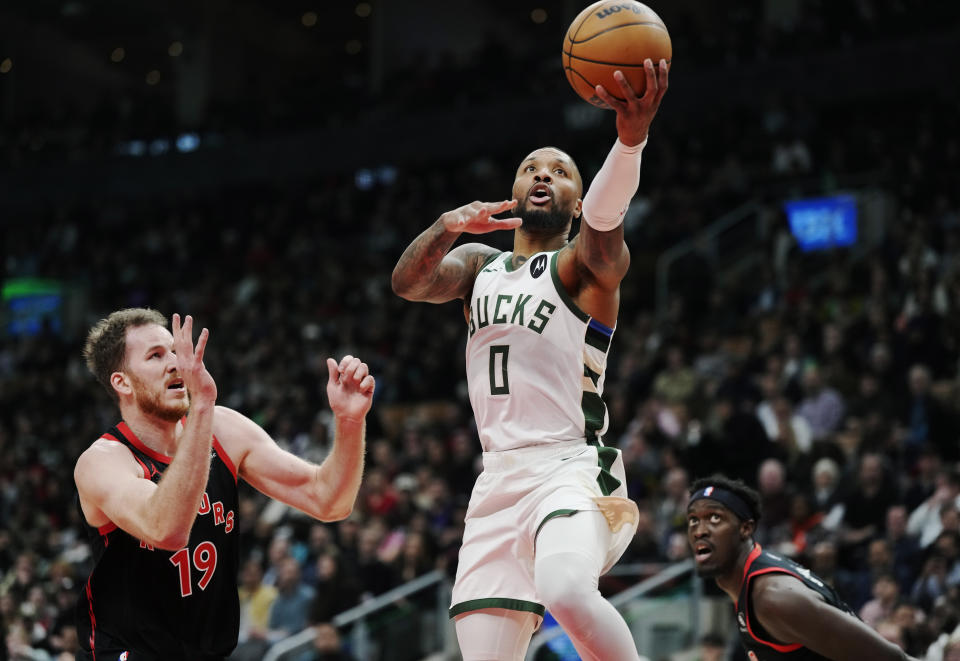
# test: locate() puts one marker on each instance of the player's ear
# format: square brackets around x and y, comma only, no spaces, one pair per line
[121,383]
[747,528]
[578,208]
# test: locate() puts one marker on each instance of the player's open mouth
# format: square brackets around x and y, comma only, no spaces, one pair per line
[540,194]
[702,552]
[176,384]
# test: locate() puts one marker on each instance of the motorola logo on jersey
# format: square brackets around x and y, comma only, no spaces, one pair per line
[538,266]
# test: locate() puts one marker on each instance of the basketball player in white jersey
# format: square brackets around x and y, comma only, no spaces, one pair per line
[548,514]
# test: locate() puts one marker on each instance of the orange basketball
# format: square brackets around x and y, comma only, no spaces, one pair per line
[610,35]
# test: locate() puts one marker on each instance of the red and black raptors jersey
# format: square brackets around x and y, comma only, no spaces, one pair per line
[760,645]
[141,603]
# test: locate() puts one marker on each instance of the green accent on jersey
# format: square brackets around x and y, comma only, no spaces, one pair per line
[597,340]
[553,515]
[608,483]
[489,260]
[544,310]
[562,291]
[497,602]
[497,317]
[594,376]
[508,263]
[593,414]
[518,308]
[481,322]
[503,350]
[605,458]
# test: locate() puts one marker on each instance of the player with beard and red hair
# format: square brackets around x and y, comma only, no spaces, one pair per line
[158,491]
[549,512]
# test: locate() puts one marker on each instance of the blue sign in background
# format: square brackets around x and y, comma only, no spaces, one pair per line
[824,222]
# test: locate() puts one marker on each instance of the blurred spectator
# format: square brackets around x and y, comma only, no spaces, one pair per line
[904,547]
[733,442]
[774,498]
[326,645]
[822,406]
[826,482]
[677,382]
[824,563]
[791,155]
[645,546]
[672,511]
[924,419]
[931,584]
[926,521]
[416,557]
[926,478]
[336,590]
[375,575]
[801,531]
[277,553]
[865,505]
[291,607]
[787,429]
[256,601]
[885,592]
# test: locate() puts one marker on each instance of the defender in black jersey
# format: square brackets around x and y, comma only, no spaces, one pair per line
[783,610]
[158,492]
[185,603]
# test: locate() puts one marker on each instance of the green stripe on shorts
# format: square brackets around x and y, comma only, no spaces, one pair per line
[497,602]
[552,515]
[606,456]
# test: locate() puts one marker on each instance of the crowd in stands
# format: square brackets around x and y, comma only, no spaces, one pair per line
[829,381]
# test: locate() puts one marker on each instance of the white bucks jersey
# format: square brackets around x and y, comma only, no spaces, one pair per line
[535,361]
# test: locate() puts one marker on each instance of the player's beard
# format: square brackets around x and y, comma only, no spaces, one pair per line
[544,221]
[151,402]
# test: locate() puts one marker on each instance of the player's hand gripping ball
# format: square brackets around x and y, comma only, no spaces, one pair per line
[610,35]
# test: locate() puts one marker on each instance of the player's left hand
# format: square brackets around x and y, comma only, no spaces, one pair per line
[350,388]
[635,113]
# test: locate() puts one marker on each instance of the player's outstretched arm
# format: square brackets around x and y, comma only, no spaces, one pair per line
[429,271]
[599,246]
[111,483]
[328,491]
[793,613]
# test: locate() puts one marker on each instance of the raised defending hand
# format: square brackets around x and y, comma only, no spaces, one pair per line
[635,113]
[350,388]
[477,217]
[199,383]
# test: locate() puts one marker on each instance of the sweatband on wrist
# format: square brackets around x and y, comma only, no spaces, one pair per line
[728,499]
[606,202]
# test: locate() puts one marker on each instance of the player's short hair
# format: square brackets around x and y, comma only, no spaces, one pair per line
[106,347]
[749,496]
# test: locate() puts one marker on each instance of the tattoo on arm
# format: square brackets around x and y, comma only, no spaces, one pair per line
[429,271]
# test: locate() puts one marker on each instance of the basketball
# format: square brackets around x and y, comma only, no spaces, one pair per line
[610,35]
